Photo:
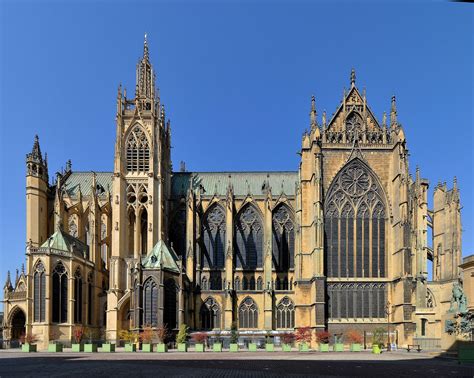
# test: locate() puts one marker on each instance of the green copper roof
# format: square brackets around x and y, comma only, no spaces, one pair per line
[211,182]
[61,241]
[243,183]
[84,181]
[161,256]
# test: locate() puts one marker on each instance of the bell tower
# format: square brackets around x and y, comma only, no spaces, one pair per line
[36,195]
[141,184]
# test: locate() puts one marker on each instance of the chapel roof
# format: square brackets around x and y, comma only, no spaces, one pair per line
[161,257]
[62,241]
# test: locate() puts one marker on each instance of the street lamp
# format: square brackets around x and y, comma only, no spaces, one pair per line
[388,312]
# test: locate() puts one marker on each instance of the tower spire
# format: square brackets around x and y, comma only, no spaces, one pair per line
[145,48]
[145,85]
[35,163]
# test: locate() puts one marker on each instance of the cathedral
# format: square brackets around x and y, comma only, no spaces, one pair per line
[342,242]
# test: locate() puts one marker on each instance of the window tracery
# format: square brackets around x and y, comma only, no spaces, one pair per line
[249,239]
[150,303]
[72,226]
[210,314]
[285,314]
[248,314]
[214,233]
[355,224]
[60,285]
[39,294]
[78,297]
[137,151]
[283,239]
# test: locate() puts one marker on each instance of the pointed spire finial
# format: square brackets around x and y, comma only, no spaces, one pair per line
[313,113]
[353,78]
[324,118]
[8,282]
[145,48]
[22,268]
[393,113]
[417,173]
[384,119]
[455,183]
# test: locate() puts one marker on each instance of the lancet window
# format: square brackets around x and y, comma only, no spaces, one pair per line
[214,230]
[137,151]
[283,239]
[249,239]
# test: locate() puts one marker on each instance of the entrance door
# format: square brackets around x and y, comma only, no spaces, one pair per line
[18,327]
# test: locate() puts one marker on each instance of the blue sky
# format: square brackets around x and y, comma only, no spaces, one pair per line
[236,79]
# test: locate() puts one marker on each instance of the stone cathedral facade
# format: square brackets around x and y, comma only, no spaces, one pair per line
[339,243]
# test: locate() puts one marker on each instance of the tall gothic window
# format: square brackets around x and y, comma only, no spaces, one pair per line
[213,251]
[355,224]
[210,314]
[138,151]
[170,317]
[178,231]
[78,297]
[59,294]
[150,303]
[285,313]
[248,314]
[72,226]
[39,294]
[357,300]
[90,298]
[283,239]
[248,239]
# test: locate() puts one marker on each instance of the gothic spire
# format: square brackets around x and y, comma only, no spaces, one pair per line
[393,113]
[313,113]
[145,48]
[145,85]
[35,163]
[8,283]
[353,78]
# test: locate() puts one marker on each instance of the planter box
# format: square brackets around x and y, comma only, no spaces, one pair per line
[466,352]
[304,347]
[270,347]
[324,347]
[217,347]
[252,347]
[356,348]
[234,347]
[376,349]
[199,348]
[55,348]
[77,348]
[108,347]
[338,347]
[147,347]
[182,347]
[286,347]
[90,348]
[28,348]
[130,347]
[161,348]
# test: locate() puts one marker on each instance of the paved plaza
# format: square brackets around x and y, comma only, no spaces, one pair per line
[242,364]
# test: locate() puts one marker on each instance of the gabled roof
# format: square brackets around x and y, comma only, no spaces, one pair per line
[354,101]
[161,257]
[61,241]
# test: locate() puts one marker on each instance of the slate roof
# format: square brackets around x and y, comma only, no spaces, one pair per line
[211,182]
[161,256]
[61,241]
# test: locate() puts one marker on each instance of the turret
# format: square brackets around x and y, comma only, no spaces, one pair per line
[36,195]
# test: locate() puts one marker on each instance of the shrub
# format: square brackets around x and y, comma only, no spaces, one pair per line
[234,336]
[354,337]
[268,337]
[162,333]
[378,337]
[303,335]
[182,334]
[200,337]
[78,334]
[323,337]
[28,338]
[147,335]
[90,333]
[288,338]
[128,336]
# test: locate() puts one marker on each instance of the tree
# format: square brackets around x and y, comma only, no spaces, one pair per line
[182,335]
[234,336]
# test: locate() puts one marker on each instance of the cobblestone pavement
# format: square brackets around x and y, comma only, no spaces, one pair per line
[242,364]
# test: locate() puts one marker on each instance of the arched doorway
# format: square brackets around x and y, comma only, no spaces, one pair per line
[18,320]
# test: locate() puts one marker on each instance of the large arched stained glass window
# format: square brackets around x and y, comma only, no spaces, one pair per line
[39,294]
[137,151]
[213,251]
[78,298]
[150,303]
[178,231]
[285,314]
[248,314]
[60,278]
[283,239]
[210,314]
[248,239]
[355,224]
